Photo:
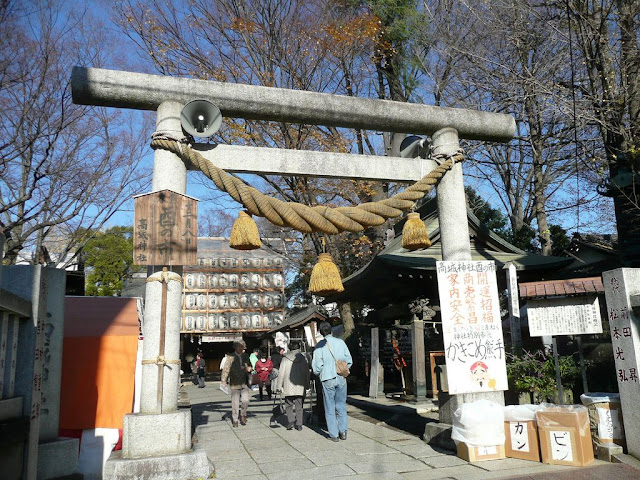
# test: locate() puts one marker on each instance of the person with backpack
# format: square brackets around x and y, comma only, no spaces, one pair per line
[331,363]
[235,375]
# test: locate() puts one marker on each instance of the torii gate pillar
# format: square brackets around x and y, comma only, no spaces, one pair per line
[169,171]
[454,238]
[158,439]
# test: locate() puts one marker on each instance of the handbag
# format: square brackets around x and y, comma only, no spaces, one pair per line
[342,368]
[254,379]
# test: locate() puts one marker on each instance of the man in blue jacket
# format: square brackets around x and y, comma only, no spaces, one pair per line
[334,386]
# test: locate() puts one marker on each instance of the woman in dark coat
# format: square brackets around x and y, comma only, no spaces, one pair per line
[236,375]
[200,364]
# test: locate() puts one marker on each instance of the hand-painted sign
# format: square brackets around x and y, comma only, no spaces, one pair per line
[473,341]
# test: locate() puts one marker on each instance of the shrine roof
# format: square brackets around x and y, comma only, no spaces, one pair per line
[219,246]
[300,318]
[400,264]
[554,288]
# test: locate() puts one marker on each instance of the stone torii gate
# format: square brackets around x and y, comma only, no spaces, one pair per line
[167,96]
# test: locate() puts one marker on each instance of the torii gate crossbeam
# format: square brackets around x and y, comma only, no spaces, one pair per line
[111,88]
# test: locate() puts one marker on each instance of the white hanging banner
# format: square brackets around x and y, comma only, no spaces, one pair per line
[473,341]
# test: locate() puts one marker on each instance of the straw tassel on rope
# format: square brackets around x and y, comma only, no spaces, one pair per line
[325,277]
[414,233]
[244,234]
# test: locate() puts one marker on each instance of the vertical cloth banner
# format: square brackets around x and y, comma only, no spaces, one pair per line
[472,329]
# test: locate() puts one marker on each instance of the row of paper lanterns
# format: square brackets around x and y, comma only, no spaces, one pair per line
[233,280]
[254,262]
[231,322]
[233,300]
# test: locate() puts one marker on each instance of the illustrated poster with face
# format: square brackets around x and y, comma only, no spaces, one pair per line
[472,329]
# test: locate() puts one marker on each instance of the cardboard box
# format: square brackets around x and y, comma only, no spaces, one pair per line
[521,440]
[477,453]
[565,435]
[606,423]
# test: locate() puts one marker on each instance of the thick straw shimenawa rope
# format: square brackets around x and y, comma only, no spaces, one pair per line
[302,217]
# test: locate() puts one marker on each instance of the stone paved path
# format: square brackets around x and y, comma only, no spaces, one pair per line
[265,450]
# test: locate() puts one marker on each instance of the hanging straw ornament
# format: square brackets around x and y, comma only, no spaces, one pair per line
[325,277]
[414,233]
[244,234]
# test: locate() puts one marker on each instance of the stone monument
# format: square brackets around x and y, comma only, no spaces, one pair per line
[33,347]
[622,293]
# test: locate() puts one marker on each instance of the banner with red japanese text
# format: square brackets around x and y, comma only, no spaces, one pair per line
[473,341]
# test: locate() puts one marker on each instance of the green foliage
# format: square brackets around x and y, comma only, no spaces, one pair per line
[109,257]
[522,238]
[535,372]
[559,240]
[494,220]
[401,18]
[489,217]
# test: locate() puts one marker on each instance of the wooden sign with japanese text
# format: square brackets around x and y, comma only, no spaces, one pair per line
[472,329]
[166,229]
[564,316]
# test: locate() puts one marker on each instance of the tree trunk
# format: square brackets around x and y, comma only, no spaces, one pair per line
[540,206]
[616,107]
[627,199]
[347,319]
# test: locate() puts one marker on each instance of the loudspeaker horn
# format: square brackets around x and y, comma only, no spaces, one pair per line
[413,146]
[200,118]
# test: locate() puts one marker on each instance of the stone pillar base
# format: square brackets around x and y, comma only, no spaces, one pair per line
[156,434]
[58,458]
[439,435]
[606,451]
[186,466]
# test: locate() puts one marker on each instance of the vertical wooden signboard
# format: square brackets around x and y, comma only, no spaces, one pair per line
[166,229]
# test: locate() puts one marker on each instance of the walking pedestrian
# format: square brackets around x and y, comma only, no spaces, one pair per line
[254,359]
[334,386]
[276,358]
[200,364]
[236,375]
[263,368]
[194,371]
[292,381]
[223,362]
